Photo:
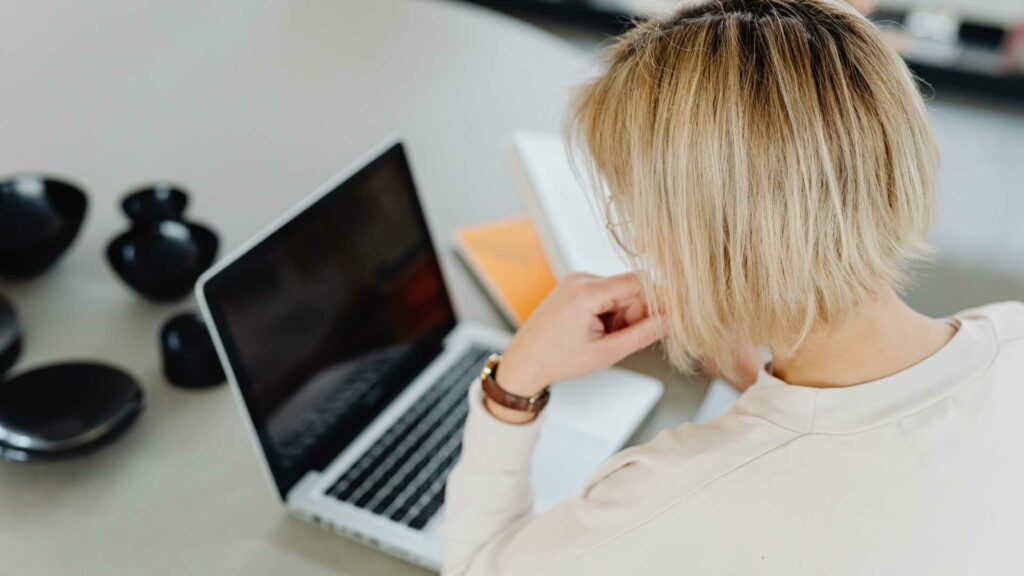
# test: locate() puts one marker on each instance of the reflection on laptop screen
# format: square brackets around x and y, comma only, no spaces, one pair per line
[331,316]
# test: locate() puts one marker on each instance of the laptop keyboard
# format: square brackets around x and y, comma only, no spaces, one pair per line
[402,476]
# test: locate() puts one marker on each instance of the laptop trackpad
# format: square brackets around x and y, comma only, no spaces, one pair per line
[563,461]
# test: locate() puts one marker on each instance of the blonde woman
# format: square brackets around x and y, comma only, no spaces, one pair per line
[770,168]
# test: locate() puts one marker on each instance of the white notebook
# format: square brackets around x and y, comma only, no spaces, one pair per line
[568,218]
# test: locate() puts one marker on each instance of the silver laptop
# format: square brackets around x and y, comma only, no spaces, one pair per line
[338,336]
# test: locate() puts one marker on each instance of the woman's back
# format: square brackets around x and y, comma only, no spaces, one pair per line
[916,473]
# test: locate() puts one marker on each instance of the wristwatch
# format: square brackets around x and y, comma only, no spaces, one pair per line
[501,397]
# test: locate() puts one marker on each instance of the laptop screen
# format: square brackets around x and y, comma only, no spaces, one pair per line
[327,319]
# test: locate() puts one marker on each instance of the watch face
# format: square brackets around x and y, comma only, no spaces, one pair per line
[490,366]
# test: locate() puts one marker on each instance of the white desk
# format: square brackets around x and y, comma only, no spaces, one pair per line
[250,104]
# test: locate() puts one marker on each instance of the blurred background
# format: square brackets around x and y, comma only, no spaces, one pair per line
[976,44]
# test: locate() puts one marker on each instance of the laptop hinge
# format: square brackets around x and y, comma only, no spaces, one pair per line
[304,487]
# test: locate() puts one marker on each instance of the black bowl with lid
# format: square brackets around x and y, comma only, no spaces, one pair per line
[162,260]
[159,201]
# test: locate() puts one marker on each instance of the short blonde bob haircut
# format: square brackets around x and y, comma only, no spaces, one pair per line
[769,163]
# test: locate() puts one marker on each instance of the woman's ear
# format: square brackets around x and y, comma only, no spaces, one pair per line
[746,362]
[865,7]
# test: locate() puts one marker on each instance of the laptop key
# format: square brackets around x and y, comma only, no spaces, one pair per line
[428,511]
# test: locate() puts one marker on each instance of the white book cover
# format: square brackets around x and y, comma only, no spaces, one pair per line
[568,218]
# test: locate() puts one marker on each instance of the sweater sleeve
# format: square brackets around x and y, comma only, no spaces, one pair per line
[489,528]
[489,501]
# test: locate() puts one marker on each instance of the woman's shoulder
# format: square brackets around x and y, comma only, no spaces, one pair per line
[1006,318]
[640,483]
[680,461]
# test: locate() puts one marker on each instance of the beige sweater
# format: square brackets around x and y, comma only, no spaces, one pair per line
[919,473]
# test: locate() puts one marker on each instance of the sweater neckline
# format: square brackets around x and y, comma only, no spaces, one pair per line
[805,409]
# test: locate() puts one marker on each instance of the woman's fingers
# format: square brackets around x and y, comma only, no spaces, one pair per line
[608,294]
[621,343]
[587,323]
[625,314]
[634,311]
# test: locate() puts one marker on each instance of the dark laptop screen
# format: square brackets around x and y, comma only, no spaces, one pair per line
[331,316]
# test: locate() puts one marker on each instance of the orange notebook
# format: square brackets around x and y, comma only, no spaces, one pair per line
[507,258]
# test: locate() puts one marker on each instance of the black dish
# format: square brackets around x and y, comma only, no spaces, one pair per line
[21,455]
[160,201]
[39,218]
[162,260]
[190,360]
[64,409]
[10,336]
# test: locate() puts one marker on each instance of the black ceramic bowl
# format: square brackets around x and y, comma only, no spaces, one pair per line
[162,260]
[39,218]
[159,201]
[190,360]
[10,336]
[65,408]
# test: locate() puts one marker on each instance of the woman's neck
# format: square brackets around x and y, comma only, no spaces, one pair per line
[883,337]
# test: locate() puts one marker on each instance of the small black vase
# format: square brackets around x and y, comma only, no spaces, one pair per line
[163,259]
[39,218]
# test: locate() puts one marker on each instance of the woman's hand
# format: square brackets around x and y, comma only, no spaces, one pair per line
[586,324]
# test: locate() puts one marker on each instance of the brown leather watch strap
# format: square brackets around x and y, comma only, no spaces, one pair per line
[502,397]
